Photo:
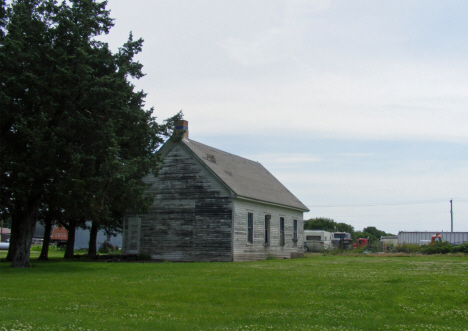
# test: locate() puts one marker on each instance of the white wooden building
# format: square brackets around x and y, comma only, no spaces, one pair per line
[210,205]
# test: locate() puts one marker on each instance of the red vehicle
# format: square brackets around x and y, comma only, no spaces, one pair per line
[361,242]
[437,239]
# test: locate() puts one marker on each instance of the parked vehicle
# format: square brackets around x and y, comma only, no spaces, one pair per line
[390,240]
[434,240]
[342,240]
[317,240]
[361,242]
[4,246]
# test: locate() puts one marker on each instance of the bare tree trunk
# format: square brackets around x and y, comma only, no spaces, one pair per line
[93,239]
[71,240]
[45,243]
[22,229]
[12,246]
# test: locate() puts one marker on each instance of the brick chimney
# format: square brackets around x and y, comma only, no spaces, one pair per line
[182,125]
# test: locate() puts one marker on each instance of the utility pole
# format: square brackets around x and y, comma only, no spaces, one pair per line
[451,216]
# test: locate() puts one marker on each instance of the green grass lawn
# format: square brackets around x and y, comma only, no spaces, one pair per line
[313,293]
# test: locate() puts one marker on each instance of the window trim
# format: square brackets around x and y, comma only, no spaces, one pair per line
[295,232]
[267,230]
[282,238]
[250,227]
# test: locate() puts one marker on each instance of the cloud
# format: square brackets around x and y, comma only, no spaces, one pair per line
[321,191]
[268,47]
[284,160]
[354,155]
[402,102]
[317,69]
[279,80]
[275,43]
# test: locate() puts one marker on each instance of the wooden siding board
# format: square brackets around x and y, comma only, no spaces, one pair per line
[242,251]
[195,218]
[131,235]
[191,217]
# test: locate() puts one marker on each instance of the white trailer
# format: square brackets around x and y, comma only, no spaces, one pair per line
[317,240]
[4,246]
[392,240]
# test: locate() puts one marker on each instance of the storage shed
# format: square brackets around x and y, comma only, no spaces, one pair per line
[210,205]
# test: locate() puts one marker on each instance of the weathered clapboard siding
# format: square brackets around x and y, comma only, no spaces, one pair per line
[202,197]
[131,235]
[191,217]
[242,251]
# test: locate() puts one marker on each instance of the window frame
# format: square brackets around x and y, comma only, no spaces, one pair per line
[295,232]
[250,227]
[267,230]
[282,238]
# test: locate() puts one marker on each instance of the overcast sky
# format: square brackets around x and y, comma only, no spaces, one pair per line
[358,107]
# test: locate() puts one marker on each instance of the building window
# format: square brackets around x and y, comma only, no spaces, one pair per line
[267,229]
[282,231]
[250,228]
[295,232]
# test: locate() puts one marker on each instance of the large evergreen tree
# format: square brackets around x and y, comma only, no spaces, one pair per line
[74,134]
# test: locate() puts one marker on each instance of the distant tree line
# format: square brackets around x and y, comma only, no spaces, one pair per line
[327,224]
[372,233]
[75,138]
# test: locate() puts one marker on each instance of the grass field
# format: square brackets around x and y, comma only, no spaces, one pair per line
[313,293]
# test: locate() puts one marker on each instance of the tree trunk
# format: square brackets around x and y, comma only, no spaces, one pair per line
[12,246]
[45,243]
[71,240]
[93,239]
[22,230]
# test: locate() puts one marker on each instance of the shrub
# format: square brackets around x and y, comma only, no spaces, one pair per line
[462,248]
[106,247]
[143,257]
[438,248]
[406,248]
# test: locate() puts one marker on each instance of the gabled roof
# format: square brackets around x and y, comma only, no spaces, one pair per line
[246,178]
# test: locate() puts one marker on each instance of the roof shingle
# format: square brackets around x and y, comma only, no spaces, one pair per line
[245,177]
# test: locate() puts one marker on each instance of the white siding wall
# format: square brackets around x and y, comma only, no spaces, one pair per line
[257,251]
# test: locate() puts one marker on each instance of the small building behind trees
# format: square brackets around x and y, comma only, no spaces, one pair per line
[5,235]
[210,205]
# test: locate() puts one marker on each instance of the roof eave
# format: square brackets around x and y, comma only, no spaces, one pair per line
[166,147]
